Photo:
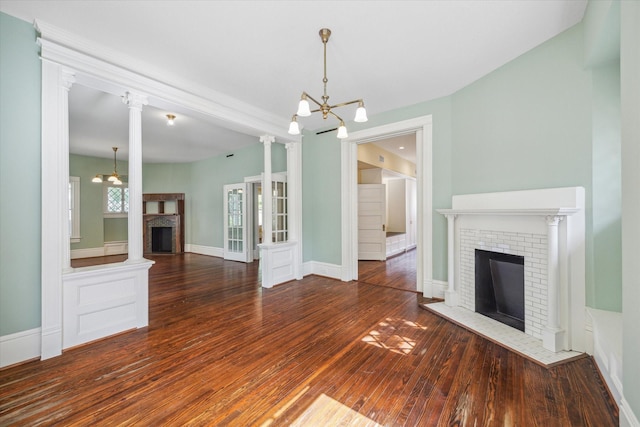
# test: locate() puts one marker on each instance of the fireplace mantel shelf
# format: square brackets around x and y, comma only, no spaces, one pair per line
[522,212]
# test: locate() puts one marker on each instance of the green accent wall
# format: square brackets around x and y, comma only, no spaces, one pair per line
[94,228]
[542,120]
[607,192]
[630,106]
[207,180]
[201,182]
[20,76]
[170,178]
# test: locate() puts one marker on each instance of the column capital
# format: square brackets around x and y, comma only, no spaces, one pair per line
[135,100]
[67,79]
[553,220]
[450,216]
[267,139]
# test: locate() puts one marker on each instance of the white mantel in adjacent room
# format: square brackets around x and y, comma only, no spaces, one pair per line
[547,227]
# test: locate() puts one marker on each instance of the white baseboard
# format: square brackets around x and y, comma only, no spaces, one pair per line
[322,269]
[87,253]
[433,288]
[109,248]
[439,287]
[606,333]
[204,250]
[627,417]
[20,347]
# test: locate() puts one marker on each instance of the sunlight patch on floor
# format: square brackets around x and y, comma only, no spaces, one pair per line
[325,411]
[386,336]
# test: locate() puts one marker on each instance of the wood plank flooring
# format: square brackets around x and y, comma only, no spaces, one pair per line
[397,272]
[221,351]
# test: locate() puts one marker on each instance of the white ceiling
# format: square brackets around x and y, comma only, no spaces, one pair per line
[265,53]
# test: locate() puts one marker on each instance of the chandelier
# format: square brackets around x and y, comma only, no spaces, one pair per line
[114,177]
[324,107]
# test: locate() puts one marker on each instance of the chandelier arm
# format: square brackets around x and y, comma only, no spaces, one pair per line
[311,98]
[346,103]
[335,115]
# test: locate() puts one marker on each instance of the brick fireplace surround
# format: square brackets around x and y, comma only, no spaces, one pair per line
[547,227]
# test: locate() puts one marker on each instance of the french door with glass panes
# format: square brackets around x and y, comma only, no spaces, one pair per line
[279,220]
[236,207]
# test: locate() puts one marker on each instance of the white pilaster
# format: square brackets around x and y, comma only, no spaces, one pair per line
[552,335]
[451,296]
[55,254]
[135,102]
[67,79]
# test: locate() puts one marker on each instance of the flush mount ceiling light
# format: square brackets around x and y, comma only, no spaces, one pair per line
[170,119]
[114,177]
[303,107]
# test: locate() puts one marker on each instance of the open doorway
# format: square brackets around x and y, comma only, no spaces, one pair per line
[387,212]
[421,127]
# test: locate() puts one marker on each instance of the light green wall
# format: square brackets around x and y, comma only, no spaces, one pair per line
[630,105]
[607,194]
[94,228]
[200,181]
[207,180]
[321,218]
[527,125]
[20,73]
[170,178]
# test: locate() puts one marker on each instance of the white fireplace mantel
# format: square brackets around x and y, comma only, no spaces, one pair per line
[511,212]
[555,213]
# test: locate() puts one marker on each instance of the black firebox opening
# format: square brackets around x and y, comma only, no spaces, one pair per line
[500,287]
[161,239]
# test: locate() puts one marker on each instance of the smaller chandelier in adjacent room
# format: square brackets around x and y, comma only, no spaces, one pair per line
[114,177]
[304,109]
[171,119]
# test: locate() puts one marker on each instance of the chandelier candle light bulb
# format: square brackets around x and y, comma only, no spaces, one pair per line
[304,110]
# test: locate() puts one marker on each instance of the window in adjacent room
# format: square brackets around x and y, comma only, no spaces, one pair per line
[116,200]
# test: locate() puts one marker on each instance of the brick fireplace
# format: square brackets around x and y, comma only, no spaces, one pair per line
[163,212]
[547,228]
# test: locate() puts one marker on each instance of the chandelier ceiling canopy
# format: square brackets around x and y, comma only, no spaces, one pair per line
[304,110]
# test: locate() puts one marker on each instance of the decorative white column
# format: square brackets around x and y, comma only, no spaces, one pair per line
[294,203]
[135,102]
[267,191]
[552,335]
[267,214]
[450,295]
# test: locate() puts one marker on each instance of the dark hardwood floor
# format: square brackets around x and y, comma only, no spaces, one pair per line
[221,351]
[397,272]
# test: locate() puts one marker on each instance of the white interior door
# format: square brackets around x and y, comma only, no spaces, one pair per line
[236,231]
[372,236]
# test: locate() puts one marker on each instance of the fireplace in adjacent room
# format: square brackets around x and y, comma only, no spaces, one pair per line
[499,287]
[162,239]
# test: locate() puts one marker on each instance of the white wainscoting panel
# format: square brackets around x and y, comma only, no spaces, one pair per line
[104,300]
[277,263]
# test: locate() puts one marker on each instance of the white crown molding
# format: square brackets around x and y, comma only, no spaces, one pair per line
[111,71]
